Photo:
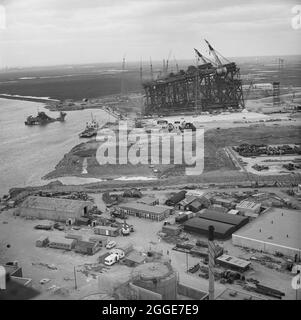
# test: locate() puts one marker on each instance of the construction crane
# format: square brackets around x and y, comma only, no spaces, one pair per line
[167,62]
[151,68]
[212,51]
[200,56]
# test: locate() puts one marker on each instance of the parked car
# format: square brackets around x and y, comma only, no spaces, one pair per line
[111,244]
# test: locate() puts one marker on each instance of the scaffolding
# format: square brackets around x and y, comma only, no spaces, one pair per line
[276,94]
[200,88]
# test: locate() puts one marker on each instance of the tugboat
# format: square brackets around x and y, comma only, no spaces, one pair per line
[90,130]
[42,119]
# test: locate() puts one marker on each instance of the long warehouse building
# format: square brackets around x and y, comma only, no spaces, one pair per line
[224,224]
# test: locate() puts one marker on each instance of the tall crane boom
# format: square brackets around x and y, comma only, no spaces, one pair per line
[200,56]
[217,59]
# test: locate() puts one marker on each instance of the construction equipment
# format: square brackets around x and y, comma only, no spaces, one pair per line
[208,87]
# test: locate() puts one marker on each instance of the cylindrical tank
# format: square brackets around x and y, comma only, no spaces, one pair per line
[157,277]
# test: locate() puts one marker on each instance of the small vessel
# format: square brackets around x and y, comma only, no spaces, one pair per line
[42,118]
[91,129]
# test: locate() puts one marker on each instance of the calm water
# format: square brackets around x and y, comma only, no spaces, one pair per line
[28,153]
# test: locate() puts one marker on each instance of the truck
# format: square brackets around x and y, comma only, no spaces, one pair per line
[111,259]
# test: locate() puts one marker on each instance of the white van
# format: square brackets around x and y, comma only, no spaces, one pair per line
[111,259]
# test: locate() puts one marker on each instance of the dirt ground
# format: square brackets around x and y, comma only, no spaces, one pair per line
[20,235]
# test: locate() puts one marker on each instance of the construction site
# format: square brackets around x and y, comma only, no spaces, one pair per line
[150,232]
[208,86]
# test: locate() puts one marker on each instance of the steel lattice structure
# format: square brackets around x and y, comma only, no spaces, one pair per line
[201,88]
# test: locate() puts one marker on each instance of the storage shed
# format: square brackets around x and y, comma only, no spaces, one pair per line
[62,243]
[101,240]
[107,231]
[42,241]
[87,247]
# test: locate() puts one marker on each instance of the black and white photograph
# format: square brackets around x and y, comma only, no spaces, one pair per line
[150,150]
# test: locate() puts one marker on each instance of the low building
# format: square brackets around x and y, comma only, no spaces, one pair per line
[234,220]
[140,210]
[42,241]
[133,259]
[249,208]
[102,241]
[233,263]
[107,231]
[197,205]
[184,204]
[200,226]
[86,247]
[62,243]
[219,208]
[149,201]
[276,231]
[56,209]
[74,236]
[176,198]
[225,202]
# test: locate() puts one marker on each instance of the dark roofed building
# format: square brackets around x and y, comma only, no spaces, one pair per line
[200,226]
[235,220]
[87,247]
[176,198]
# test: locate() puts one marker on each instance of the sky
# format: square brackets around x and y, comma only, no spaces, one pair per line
[53,32]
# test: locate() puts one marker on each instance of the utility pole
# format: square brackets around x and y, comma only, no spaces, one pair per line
[151,68]
[211,253]
[75,282]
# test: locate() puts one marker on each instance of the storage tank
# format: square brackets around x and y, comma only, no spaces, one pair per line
[157,277]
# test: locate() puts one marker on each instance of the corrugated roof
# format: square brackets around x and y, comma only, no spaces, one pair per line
[214,215]
[54,204]
[203,224]
[248,205]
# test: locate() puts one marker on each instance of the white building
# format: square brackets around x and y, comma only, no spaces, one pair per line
[249,208]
